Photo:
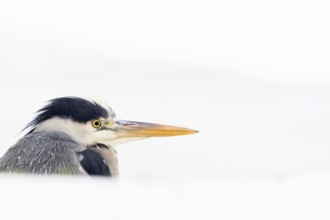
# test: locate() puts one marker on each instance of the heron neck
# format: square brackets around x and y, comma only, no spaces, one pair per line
[109,154]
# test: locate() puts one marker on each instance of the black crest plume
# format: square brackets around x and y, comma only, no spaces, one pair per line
[77,109]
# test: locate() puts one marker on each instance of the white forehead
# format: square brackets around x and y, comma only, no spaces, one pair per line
[90,96]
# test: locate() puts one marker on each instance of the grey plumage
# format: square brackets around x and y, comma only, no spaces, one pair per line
[43,152]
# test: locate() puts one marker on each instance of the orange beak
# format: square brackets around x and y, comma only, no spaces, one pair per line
[143,129]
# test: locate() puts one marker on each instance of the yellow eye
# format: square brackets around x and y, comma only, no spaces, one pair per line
[96,123]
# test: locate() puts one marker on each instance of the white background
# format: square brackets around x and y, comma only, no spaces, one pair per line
[251,76]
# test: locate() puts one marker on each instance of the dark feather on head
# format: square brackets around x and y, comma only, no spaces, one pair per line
[77,109]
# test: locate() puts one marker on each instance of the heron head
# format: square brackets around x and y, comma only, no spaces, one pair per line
[90,122]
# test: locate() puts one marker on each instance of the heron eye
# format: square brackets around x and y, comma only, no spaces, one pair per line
[96,123]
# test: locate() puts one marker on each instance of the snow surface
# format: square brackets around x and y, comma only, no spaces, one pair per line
[231,198]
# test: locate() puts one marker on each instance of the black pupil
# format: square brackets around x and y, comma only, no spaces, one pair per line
[96,123]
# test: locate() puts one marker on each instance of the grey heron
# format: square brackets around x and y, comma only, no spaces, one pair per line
[74,135]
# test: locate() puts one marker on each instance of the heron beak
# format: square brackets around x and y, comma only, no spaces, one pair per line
[135,129]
